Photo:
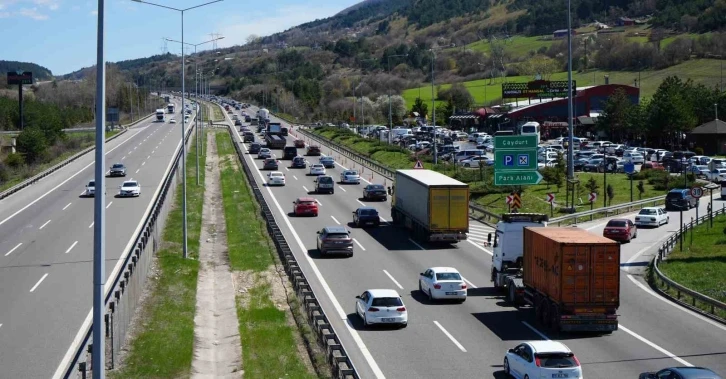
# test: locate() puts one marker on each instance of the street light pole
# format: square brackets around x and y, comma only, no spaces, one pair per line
[390,113]
[433,105]
[570,130]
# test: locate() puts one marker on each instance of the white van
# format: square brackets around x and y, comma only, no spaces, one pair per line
[530,128]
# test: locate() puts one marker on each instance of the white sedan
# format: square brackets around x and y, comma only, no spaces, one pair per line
[172,121]
[350,176]
[276,178]
[381,306]
[317,169]
[442,283]
[90,189]
[652,216]
[129,188]
[542,359]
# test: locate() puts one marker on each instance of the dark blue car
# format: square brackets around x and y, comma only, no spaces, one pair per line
[681,373]
[366,216]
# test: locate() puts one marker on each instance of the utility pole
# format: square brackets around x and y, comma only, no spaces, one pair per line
[433,105]
[570,131]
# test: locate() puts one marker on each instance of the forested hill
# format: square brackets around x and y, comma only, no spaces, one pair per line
[39,72]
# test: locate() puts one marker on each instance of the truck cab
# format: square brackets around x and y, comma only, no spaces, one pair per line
[508,244]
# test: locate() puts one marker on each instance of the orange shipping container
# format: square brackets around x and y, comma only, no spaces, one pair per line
[572,266]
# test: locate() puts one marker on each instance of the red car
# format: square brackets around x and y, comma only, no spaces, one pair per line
[313,150]
[620,229]
[305,206]
[652,166]
[299,143]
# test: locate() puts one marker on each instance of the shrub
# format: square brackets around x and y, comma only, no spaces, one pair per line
[32,143]
[14,160]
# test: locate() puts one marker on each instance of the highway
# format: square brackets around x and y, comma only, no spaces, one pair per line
[469,340]
[46,247]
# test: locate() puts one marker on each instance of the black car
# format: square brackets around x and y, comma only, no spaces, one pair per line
[681,373]
[298,162]
[366,216]
[289,152]
[255,147]
[375,192]
[118,169]
[248,118]
[284,131]
[270,164]
[680,199]
[248,137]
[237,122]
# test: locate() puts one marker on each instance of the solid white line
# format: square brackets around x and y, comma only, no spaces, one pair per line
[68,205]
[109,204]
[91,226]
[294,177]
[468,282]
[686,310]
[13,249]
[137,170]
[306,190]
[360,202]
[71,248]
[62,183]
[393,279]
[342,189]
[43,226]
[416,243]
[532,328]
[480,248]
[338,308]
[450,337]
[39,281]
[653,345]
[336,221]
[359,245]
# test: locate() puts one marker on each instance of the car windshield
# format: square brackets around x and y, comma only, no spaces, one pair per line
[616,224]
[325,180]
[130,184]
[307,203]
[337,236]
[448,276]
[387,302]
[91,183]
[352,173]
[648,212]
[368,212]
[559,360]
[118,166]
[375,187]
[276,174]
[317,166]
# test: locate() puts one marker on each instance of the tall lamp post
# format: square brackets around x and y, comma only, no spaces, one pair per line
[184,150]
[390,113]
[570,130]
[196,88]
[433,105]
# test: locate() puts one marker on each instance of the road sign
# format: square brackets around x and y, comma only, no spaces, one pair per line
[509,200]
[516,201]
[592,197]
[418,165]
[525,159]
[629,167]
[696,192]
[550,198]
[20,77]
[537,89]
[515,142]
[517,178]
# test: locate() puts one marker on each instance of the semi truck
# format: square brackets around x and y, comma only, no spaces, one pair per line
[433,206]
[570,276]
[160,115]
[170,108]
[166,99]
[273,136]
[263,114]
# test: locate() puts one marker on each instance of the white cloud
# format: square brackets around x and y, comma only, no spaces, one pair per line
[32,13]
[93,13]
[50,4]
[236,31]
[4,14]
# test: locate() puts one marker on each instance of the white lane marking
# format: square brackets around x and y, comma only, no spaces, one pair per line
[91,226]
[124,157]
[294,177]
[72,246]
[334,219]
[450,337]
[393,279]
[152,152]
[306,190]
[416,243]
[359,245]
[39,281]
[342,189]
[360,202]
[475,226]
[62,183]
[287,169]
[468,282]
[382,219]
[13,249]
[532,328]
[479,247]
[338,308]
[129,153]
[109,204]
[43,226]
[148,157]
[67,205]
[137,170]
[643,250]
[653,345]
[135,147]
[1,325]
[478,233]
[686,310]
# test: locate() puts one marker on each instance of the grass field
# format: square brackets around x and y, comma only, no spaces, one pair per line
[701,266]
[704,71]
[517,46]
[269,341]
[164,346]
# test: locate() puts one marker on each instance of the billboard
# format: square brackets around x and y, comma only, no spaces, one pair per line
[536,89]
[20,77]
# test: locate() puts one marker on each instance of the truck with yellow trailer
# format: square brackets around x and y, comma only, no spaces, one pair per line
[433,206]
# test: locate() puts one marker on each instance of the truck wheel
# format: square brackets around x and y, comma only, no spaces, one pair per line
[512,293]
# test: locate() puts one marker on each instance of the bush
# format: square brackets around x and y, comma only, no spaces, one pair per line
[698,150]
[14,160]
[32,143]
[4,172]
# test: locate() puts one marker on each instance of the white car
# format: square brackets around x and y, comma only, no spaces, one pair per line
[542,359]
[172,121]
[381,306]
[129,188]
[90,189]
[264,153]
[652,216]
[442,283]
[276,178]
[317,169]
[474,162]
[350,176]
[633,157]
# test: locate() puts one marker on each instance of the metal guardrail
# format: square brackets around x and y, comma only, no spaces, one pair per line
[609,211]
[712,306]
[60,165]
[337,357]
[127,283]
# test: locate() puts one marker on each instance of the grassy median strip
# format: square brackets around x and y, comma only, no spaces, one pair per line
[164,344]
[701,265]
[275,343]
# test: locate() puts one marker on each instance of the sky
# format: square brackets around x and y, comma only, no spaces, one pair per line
[61,34]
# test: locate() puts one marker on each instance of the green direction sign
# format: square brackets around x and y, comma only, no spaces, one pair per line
[517,178]
[511,160]
[515,142]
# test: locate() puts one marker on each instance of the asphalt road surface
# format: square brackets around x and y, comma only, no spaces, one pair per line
[46,247]
[469,340]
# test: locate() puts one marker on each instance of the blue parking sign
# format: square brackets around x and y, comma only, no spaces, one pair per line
[509,160]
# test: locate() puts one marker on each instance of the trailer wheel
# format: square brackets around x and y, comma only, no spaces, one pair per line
[512,293]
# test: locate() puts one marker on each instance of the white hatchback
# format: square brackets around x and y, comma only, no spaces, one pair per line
[317,169]
[381,306]
[276,178]
[542,359]
[442,283]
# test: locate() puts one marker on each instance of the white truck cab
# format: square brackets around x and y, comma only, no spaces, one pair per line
[508,245]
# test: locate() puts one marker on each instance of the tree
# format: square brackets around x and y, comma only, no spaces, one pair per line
[420,107]
[252,38]
[592,186]
[615,117]
[457,95]
[32,144]
[397,108]
[641,189]
[670,113]
[560,170]
[610,191]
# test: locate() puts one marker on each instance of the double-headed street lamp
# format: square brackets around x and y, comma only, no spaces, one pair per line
[184,150]
[196,88]
[390,113]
